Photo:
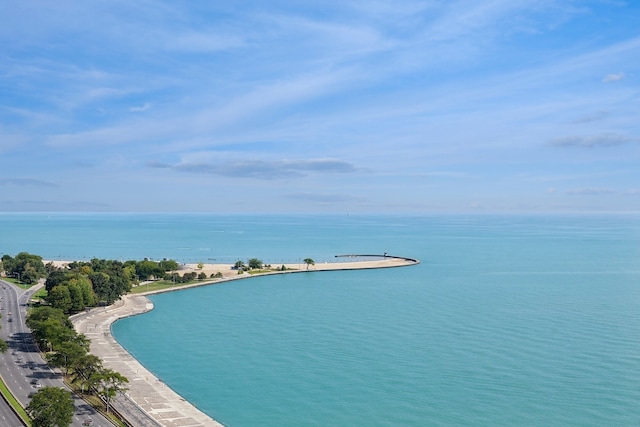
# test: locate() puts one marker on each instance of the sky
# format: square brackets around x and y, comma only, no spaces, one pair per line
[320,106]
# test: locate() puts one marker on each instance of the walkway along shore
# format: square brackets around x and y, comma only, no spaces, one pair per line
[150,402]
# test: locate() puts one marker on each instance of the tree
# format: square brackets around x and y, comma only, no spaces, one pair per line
[50,327]
[84,371]
[145,269]
[86,289]
[25,266]
[255,263]
[109,383]
[168,265]
[309,262]
[54,279]
[102,286]
[67,354]
[60,297]
[51,407]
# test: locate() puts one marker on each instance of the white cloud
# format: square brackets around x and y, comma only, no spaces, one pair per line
[613,77]
[589,192]
[141,108]
[604,140]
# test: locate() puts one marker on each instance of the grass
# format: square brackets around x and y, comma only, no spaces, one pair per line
[14,403]
[17,282]
[160,285]
[258,271]
[40,294]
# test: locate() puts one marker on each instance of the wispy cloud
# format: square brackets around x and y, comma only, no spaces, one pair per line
[26,182]
[158,165]
[143,107]
[613,77]
[589,192]
[604,140]
[592,117]
[259,169]
[405,96]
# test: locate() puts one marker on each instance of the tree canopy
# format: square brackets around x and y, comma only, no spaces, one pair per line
[51,407]
[26,267]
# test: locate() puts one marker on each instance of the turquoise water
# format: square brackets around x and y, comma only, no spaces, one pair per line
[508,320]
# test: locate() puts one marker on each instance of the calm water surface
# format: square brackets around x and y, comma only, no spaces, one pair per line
[509,320]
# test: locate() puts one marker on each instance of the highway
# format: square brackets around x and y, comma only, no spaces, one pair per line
[22,368]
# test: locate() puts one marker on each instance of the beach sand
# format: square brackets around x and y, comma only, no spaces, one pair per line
[145,391]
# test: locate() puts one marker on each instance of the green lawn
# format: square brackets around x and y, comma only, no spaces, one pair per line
[160,285]
[14,403]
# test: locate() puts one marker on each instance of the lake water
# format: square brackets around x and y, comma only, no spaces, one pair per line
[508,320]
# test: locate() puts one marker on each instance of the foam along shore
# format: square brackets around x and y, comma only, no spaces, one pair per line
[148,392]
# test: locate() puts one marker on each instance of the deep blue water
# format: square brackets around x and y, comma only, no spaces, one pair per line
[508,320]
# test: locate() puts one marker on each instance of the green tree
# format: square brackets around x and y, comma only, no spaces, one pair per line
[51,407]
[145,269]
[84,371]
[168,265]
[102,286]
[50,327]
[86,289]
[25,266]
[108,384]
[54,279]
[7,264]
[308,262]
[67,355]
[255,263]
[60,297]
[30,275]
[77,299]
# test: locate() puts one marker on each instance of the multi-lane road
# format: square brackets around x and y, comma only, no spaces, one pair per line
[22,367]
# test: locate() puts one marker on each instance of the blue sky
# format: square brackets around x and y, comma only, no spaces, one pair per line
[350,106]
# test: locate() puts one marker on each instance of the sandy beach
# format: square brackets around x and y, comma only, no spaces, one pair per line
[145,391]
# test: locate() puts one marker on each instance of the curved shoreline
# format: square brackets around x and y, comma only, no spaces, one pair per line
[148,393]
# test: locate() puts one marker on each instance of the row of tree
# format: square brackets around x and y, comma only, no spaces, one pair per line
[66,349]
[255,263]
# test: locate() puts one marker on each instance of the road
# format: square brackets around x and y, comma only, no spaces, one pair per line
[24,371]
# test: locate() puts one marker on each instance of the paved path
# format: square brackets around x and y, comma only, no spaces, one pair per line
[150,402]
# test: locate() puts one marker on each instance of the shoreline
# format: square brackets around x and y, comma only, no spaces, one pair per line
[165,406]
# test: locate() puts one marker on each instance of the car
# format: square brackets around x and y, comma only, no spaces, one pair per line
[87,422]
